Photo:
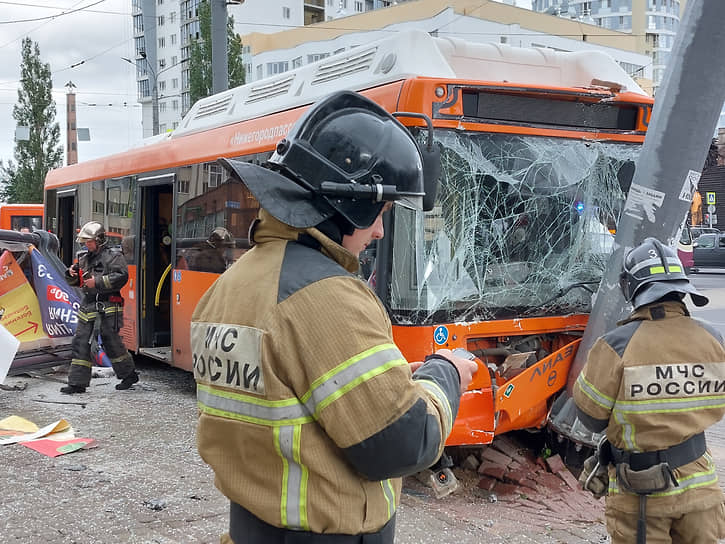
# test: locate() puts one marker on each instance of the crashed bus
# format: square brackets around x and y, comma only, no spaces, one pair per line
[537,152]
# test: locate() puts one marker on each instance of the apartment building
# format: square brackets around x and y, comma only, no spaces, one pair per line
[653,23]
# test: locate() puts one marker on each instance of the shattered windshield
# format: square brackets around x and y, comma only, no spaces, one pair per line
[522,226]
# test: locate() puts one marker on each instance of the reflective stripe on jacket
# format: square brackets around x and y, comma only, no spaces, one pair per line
[653,382]
[309,412]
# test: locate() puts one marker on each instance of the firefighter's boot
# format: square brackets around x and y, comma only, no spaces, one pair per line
[72,389]
[127,382]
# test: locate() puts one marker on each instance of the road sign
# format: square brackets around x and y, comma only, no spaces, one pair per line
[711,208]
[710,197]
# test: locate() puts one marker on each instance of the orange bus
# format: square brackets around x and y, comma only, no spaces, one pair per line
[537,153]
[21,216]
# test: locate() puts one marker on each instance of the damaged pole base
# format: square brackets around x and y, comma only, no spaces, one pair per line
[442,481]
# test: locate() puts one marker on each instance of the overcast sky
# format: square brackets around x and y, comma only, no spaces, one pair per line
[98,36]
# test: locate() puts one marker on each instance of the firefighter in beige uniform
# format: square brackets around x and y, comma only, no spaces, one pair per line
[655,383]
[309,412]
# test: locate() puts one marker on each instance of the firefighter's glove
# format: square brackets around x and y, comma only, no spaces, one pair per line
[594,477]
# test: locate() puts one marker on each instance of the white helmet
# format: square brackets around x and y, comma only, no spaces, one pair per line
[92,230]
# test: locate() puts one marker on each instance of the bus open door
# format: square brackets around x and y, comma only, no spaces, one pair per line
[154,266]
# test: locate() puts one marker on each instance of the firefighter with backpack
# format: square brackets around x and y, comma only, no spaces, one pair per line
[100,272]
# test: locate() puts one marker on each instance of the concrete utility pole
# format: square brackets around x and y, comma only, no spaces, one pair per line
[71,140]
[668,169]
[219,60]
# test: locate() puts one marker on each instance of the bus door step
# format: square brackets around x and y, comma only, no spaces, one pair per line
[161,353]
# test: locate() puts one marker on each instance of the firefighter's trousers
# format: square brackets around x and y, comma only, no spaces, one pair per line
[700,527]
[111,318]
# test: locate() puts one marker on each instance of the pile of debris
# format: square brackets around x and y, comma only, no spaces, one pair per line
[510,472]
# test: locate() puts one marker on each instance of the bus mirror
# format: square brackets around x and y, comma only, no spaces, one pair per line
[431,160]
[431,175]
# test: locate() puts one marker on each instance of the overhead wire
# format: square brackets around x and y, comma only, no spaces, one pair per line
[47,17]
[44,6]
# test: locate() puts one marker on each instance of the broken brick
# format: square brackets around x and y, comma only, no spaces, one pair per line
[568,477]
[471,463]
[555,464]
[490,454]
[507,446]
[506,489]
[550,481]
[487,483]
[492,470]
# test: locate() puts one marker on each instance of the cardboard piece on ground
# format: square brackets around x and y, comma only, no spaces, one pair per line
[17,423]
[8,348]
[54,448]
[16,426]
[59,426]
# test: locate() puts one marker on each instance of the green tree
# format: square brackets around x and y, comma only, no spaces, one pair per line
[22,179]
[200,73]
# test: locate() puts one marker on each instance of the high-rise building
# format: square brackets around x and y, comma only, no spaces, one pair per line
[654,23]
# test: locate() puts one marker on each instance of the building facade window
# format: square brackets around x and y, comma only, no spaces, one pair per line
[285,12]
[274,68]
[160,20]
[358,7]
[173,39]
[162,42]
[316,57]
[296,62]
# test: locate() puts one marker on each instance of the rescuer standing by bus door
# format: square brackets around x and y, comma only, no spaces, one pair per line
[100,272]
[655,383]
[309,412]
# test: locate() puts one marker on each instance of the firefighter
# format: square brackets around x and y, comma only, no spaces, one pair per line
[100,272]
[309,414]
[211,256]
[655,383]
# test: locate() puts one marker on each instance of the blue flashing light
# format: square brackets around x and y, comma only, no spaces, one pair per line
[579,206]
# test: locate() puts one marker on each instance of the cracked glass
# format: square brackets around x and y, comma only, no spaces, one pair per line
[522,227]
